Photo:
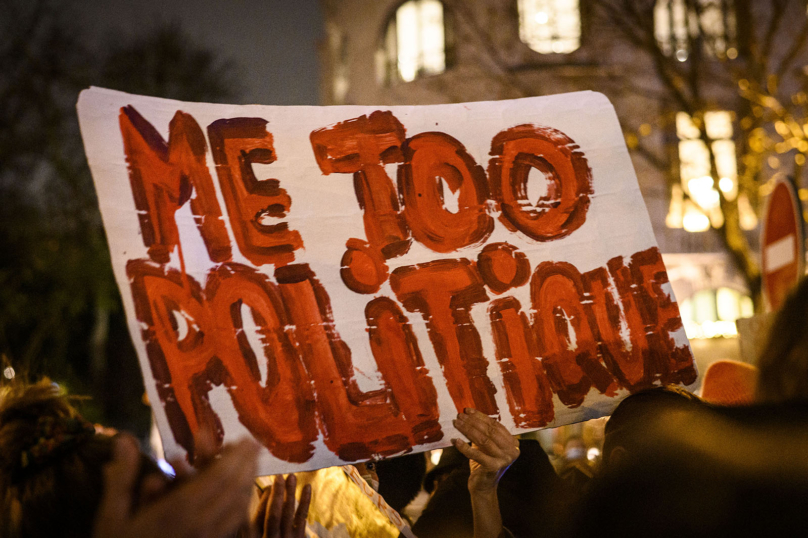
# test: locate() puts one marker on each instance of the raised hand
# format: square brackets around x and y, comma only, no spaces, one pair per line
[492,451]
[276,516]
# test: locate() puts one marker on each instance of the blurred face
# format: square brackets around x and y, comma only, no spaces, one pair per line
[368,471]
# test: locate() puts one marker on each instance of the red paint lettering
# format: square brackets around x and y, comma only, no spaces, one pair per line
[624,360]
[361,147]
[650,310]
[443,292]
[356,425]
[215,351]
[395,349]
[503,267]
[253,205]
[363,269]
[428,158]
[569,181]
[569,357]
[164,176]
[526,386]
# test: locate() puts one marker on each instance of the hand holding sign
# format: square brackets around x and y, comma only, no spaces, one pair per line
[276,516]
[492,451]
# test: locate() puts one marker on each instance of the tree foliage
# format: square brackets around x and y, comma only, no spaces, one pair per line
[756,70]
[61,311]
[758,73]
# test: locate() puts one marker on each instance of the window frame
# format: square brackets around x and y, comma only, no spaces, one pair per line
[388,72]
[551,53]
[694,31]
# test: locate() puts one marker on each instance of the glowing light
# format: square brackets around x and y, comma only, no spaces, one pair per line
[677,23]
[592,454]
[434,456]
[712,313]
[728,304]
[9,372]
[420,39]
[550,26]
[166,468]
[710,329]
[702,191]
[748,218]
[694,160]
[718,124]
[694,219]
[676,209]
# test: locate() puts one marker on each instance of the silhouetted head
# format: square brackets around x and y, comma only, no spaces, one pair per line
[705,472]
[783,364]
[625,431]
[400,479]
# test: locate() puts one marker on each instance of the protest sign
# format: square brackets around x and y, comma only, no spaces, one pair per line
[339,282]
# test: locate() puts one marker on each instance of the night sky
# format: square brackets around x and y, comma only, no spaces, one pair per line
[272,42]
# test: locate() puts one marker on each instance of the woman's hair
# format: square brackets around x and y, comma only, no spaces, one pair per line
[783,364]
[51,463]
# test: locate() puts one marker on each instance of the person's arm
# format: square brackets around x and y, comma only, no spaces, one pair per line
[492,451]
[213,502]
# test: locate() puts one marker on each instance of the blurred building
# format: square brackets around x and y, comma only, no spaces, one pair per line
[394,52]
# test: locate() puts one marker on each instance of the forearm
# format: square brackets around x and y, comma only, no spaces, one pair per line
[485,507]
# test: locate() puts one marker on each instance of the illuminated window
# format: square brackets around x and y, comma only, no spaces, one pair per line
[340,79]
[703,209]
[414,43]
[713,313]
[678,22]
[550,26]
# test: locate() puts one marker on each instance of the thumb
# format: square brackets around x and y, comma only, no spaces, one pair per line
[120,474]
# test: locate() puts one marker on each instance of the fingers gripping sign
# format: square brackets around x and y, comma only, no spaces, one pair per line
[276,516]
[492,448]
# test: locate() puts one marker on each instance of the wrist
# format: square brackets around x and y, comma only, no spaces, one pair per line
[483,485]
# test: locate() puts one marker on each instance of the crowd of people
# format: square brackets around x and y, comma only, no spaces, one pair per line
[673,464]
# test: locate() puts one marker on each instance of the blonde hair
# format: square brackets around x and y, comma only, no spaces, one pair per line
[57,492]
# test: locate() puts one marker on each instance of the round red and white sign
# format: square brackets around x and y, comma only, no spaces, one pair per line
[782,248]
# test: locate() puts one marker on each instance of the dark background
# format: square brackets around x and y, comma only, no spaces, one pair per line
[60,309]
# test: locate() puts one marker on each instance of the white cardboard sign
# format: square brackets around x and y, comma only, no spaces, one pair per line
[339,282]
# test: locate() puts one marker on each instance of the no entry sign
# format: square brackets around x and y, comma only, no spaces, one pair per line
[782,244]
